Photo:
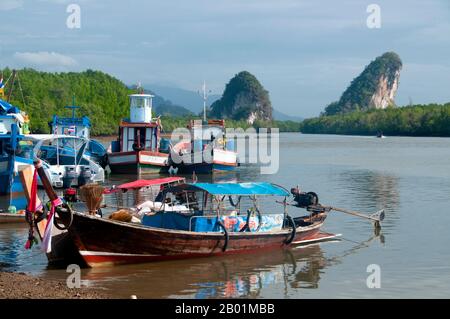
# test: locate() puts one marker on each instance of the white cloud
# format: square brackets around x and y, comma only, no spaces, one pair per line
[45,58]
[6,5]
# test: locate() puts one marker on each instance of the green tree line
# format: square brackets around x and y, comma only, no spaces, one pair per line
[415,120]
[102,97]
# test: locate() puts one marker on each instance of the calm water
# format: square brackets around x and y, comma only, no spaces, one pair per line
[409,177]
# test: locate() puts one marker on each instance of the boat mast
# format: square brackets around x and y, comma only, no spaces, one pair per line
[72,107]
[204,96]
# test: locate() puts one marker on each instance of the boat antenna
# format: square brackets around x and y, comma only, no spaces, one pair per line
[204,94]
[72,107]
[139,88]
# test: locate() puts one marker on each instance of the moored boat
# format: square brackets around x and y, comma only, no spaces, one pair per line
[13,156]
[137,149]
[64,160]
[79,127]
[8,218]
[206,152]
[183,229]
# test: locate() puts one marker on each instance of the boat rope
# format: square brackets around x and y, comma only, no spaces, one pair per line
[21,91]
[8,79]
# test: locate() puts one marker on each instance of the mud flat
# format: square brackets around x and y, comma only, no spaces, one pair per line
[22,286]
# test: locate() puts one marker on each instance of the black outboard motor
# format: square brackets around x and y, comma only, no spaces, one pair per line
[303,199]
[85,176]
[69,177]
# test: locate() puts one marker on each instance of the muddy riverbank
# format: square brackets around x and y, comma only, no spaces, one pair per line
[22,286]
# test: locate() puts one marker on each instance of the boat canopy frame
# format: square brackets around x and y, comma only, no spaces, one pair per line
[223,190]
[240,189]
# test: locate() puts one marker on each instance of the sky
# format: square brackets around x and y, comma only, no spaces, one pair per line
[305,53]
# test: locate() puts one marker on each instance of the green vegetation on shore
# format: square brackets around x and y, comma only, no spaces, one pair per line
[170,123]
[416,120]
[103,98]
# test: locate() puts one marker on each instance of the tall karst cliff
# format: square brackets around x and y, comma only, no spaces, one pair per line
[244,98]
[375,87]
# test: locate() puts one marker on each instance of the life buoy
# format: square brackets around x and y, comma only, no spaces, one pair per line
[63,223]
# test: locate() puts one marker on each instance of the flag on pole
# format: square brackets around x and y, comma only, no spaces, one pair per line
[71,130]
[1,83]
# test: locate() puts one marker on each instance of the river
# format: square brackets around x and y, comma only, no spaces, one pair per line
[408,177]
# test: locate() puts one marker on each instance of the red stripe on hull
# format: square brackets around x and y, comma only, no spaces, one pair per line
[105,260]
[128,243]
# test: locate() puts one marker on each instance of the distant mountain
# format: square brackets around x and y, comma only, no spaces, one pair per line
[188,99]
[244,98]
[280,116]
[374,88]
[191,100]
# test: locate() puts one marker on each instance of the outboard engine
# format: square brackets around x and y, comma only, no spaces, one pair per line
[303,199]
[85,176]
[69,176]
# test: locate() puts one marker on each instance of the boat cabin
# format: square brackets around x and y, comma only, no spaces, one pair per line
[204,207]
[139,132]
[73,126]
[138,192]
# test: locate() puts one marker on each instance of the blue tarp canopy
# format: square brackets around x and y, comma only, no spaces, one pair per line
[244,189]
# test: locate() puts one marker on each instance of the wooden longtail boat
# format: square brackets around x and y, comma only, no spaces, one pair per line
[181,229]
[131,243]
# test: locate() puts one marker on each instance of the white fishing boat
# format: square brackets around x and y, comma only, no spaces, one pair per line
[64,160]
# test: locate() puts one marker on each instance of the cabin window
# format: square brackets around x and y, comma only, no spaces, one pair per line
[148,138]
[130,138]
[140,137]
[137,102]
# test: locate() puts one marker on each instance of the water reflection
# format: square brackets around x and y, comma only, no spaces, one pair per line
[371,189]
[217,277]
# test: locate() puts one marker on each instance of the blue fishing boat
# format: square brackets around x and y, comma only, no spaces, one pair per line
[79,127]
[13,156]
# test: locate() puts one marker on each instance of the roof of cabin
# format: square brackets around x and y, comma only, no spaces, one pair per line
[149,182]
[141,95]
[246,189]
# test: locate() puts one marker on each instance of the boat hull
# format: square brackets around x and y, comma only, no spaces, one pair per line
[134,243]
[205,168]
[141,162]
[7,218]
